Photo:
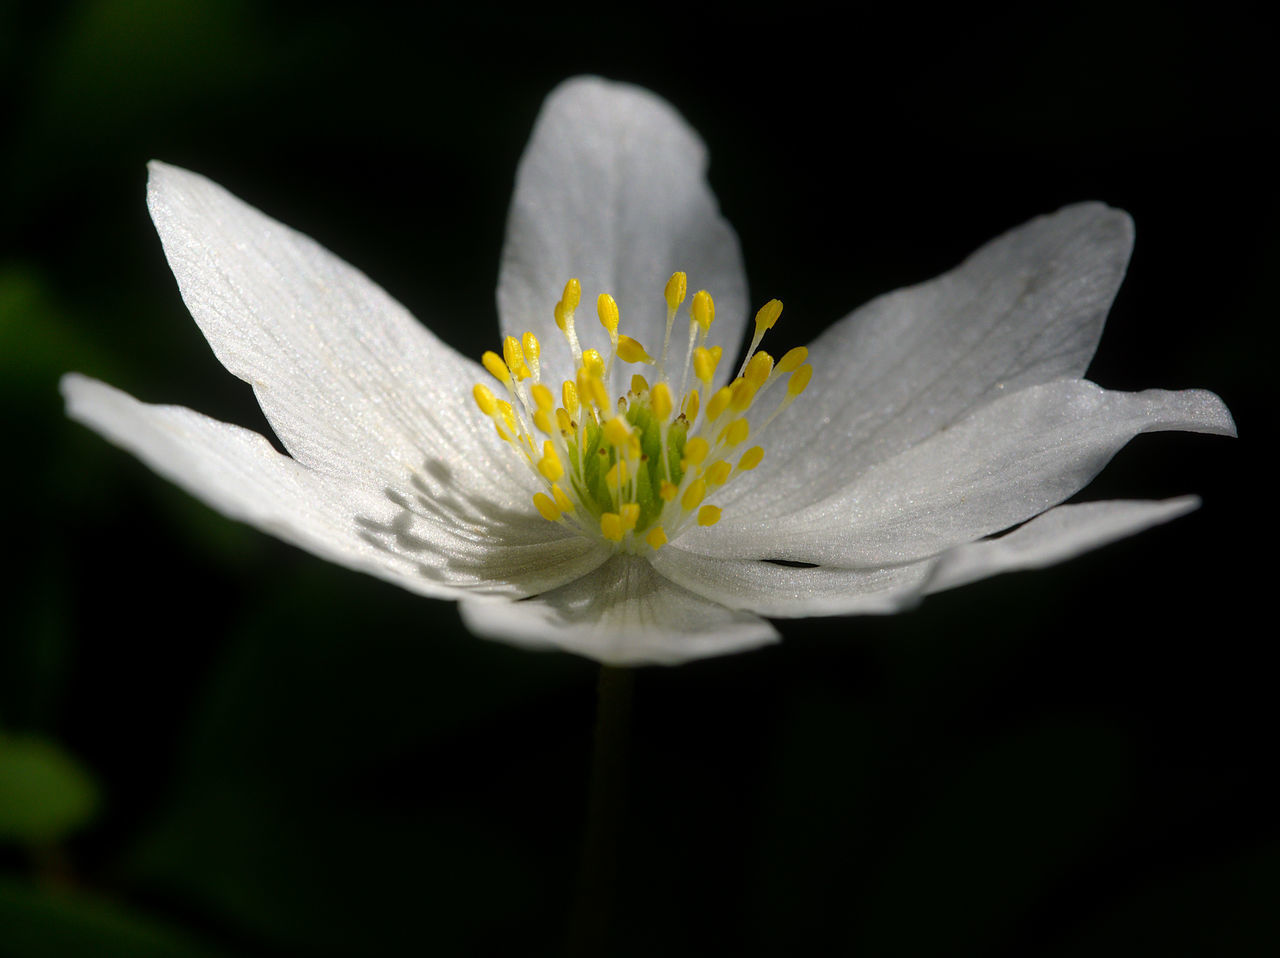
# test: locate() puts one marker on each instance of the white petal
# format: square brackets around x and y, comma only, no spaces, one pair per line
[1025,309]
[1056,536]
[1008,461]
[624,613]
[350,382]
[767,588]
[435,546]
[612,190]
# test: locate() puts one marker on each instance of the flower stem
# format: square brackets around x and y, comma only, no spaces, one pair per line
[598,867]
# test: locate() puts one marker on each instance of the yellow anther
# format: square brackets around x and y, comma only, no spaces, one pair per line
[562,316]
[532,349]
[617,430]
[704,365]
[750,459]
[607,310]
[792,359]
[508,414]
[497,368]
[630,515]
[514,356]
[767,316]
[593,363]
[543,503]
[639,385]
[549,465]
[563,421]
[667,491]
[630,351]
[485,399]
[543,397]
[562,500]
[611,526]
[572,295]
[656,538]
[660,400]
[633,446]
[694,494]
[717,473]
[737,431]
[703,309]
[569,398]
[695,450]
[592,389]
[718,403]
[542,419]
[691,405]
[799,380]
[677,286]
[618,474]
[758,369]
[741,393]
[708,515]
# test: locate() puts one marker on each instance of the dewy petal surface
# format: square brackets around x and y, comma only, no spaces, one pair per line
[396,535]
[1053,537]
[623,613]
[1025,309]
[349,380]
[767,588]
[1004,463]
[612,190]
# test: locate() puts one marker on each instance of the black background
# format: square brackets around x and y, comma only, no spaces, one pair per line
[296,760]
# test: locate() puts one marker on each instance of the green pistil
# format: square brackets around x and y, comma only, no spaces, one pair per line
[599,457]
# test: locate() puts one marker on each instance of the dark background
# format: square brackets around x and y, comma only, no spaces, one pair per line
[256,753]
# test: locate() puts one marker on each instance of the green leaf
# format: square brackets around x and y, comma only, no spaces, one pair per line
[44,793]
[58,924]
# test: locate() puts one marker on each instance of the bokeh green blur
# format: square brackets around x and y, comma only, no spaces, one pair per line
[212,744]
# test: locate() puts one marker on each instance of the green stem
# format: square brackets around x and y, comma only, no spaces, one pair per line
[598,868]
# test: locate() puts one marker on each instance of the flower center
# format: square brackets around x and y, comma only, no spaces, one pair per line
[637,469]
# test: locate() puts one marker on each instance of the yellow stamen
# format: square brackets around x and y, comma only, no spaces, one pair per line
[593,362]
[792,359]
[656,538]
[485,399]
[675,290]
[758,369]
[569,398]
[708,515]
[514,356]
[542,502]
[719,402]
[750,459]
[611,526]
[703,309]
[639,385]
[660,401]
[799,381]
[572,295]
[767,316]
[562,500]
[695,450]
[693,495]
[630,351]
[543,397]
[630,515]
[496,367]
[667,491]
[617,430]
[736,431]
[607,310]
[549,465]
[717,473]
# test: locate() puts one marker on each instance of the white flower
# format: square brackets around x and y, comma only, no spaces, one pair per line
[936,416]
